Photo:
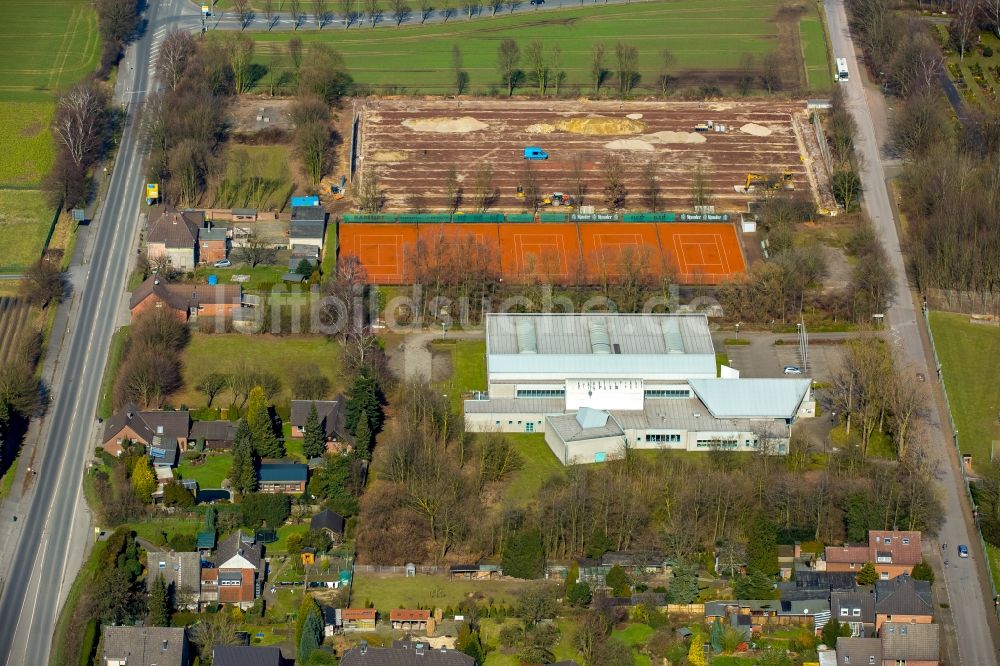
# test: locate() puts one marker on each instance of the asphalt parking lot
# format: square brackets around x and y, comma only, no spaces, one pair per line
[764,358]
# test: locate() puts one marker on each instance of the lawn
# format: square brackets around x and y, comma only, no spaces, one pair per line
[993,557]
[703,36]
[106,406]
[329,264]
[539,464]
[44,46]
[634,634]
[255,177]
[972,388]
[437,591]
[814,51]
[285,531]
[210,473]
[262,277]
[468,367]
[981,75]
[25,220]
[285,356]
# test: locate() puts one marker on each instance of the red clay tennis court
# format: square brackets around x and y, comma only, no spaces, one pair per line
[695,253]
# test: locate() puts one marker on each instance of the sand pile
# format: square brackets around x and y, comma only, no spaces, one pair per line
[634,116]
[755,130]
[388,156]
[674,137]
[629,144]
[593,126]
[540,128]
[445,125]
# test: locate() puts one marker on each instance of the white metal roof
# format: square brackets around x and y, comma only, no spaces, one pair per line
[591,366]
[598,334]
[751,398]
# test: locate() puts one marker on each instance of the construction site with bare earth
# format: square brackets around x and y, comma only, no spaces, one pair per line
[505,159]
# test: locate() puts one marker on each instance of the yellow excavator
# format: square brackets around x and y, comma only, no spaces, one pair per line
[756,181]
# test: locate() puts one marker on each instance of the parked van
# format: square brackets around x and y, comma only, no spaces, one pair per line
[535,153]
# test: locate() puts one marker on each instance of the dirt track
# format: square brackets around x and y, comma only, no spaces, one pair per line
[412,159]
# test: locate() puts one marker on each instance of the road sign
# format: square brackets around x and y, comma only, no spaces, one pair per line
[152,191]
[205,10]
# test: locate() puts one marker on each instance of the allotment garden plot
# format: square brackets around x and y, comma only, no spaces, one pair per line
[412,145]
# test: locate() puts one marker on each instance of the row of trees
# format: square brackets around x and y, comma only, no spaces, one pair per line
[949,182]
[151,364]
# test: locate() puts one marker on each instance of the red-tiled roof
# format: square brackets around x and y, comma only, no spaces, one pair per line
[354,614]
[406,615]
[847,554]
[900,546]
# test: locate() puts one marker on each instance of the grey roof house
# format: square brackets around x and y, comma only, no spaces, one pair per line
[859,652]
[144,646]
[328,412]
[308,226]
[283,477]
[855,608]
[902,596]
[404,653]
[328,520]
[243,655]
[908,643]
[216,434]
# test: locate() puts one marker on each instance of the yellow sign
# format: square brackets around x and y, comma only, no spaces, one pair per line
[153,191]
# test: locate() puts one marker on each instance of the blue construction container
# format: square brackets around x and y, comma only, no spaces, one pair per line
[213,280]
[312,200]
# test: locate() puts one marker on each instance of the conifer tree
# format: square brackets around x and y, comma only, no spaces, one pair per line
[314,442]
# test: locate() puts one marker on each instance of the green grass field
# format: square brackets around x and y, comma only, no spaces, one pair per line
[972,389]
[703,35]
[24,224]
[269,164]
[539,464]
[285,356]
[26,150]
[468,367]
[106,405]
[210,473]
[814,49]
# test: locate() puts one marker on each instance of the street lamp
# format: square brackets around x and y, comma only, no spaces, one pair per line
[738,324]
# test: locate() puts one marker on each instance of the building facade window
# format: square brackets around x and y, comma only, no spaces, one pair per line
[529,427]
[668,393]
[664,438]
[541,393]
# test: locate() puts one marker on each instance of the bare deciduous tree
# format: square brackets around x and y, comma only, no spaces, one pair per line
[461,76]
[177,48]
[79,122]
[371,198]
[374,10]
[651,184]
[43,282]
[244,12]
[598,70]
[295,52]
[254,249]
[627,57]
[400,11]
[426,9]
[508,58]
[453,189]
[770,75]
[239,51]
[614,188]
[746,72]
[535,53]
[485,193]
[701,188]
[530,188]
[962,29]
[320,13]
[295,8]
[579,175]
[667,62]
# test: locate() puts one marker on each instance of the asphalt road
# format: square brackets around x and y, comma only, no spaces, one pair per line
[970,609]
[49,548]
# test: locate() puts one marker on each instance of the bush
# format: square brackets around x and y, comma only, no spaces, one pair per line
[987,52]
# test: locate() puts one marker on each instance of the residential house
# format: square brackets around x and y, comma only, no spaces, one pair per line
[238,573]
[180,571]
[855,608]
[216,434]
[246,655]
[282,477]
[173,235]
[129,424]
[213,243]
[330,522]
[300,253]
[594,571]
[144,646]
[903,599]
[787,557]
[405,619]
[404,653]
[187,301]
[859,652]
[809,612]
[328,412]
[910,644]
[808,582]
[348,619]
[893,552]
[163,452]
[308,227]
